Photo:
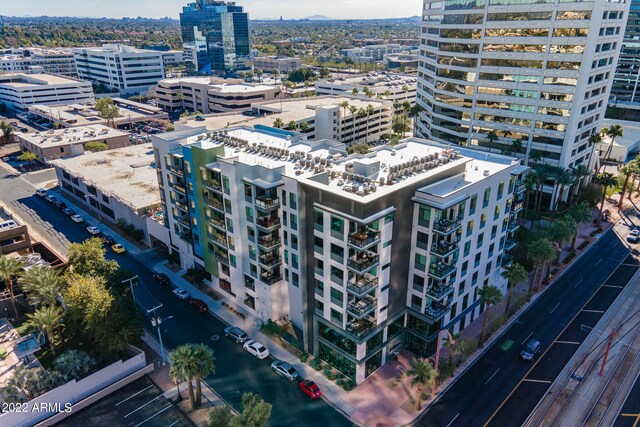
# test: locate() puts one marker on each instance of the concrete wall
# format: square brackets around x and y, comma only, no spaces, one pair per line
[74,392]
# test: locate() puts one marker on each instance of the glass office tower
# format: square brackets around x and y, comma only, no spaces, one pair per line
[215,35]
[626,86]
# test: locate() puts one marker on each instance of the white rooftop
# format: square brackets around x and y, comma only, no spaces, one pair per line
[26,80]
[77,135]
[220,85]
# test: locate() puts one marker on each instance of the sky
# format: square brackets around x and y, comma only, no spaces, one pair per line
[258,9]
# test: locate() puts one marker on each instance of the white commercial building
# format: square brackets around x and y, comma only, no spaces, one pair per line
[19,91]
[361,253]
[211,94]
[372,53]
[125,68]
[25,60]
[269,64]
[536,72]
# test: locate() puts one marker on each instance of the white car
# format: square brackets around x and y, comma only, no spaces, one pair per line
[634,236]
[93,230]
[180,293]
[77,218]
[257,349]
[41,192]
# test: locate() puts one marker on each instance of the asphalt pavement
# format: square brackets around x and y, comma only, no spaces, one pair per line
[482,389]
[237,371]
[629,415]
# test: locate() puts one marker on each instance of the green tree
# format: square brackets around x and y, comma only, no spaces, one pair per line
[541,251]
[628,170]
[354,91]
[185,361]
[220,416]
[292,125]
[95,146]
[43,286]
[581,214]
[28,383]
[206,366]
[562,230]
[255,412]
[359,148]
[278,123]
[107,110]
[565,179]
[605,181]
[88,259]
[613,132]
[74,364]
[514,274]
[324,72]
[7,132]
[259,74]
[303,127]
[47,319]
[422,374]
[28,156]
[489,295]
[10,268]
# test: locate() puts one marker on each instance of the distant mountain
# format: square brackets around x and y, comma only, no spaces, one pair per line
[318,18]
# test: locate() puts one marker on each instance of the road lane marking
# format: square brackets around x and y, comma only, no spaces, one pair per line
[454,418]
[613,286]
[536,381]
[599,261]
[525,340]
[579,281]
[554,308]
[133,395]
[593,311]
[491,377]
[140,407]
[567,342]
[157,413]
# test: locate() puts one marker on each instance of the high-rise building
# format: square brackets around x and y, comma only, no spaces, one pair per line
[362,253]
[52,61]
[626,86]
[527,77]
[215,35]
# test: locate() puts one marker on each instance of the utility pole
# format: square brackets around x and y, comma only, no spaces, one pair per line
[606,352]
[130,280]
[155,322]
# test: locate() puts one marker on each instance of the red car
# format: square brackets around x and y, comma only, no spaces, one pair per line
[310,388]
[199,305]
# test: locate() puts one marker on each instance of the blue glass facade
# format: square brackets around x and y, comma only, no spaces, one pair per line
[220,33]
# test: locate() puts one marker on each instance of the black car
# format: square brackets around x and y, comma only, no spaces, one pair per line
[106,239]
[161,278]
[68,212]
[60,204]
[530,350]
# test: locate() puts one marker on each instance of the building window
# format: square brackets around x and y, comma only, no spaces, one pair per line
[337,227]
[318,222]
[486,198]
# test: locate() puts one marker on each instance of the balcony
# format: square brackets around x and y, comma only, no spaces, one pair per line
[443,248]
[219,240]
[439,290]
[182,221]
[268,223]
[270,260]
[176,171]
[441,270]
[361,327]
[364,262]
[225,285]
[178,188]
[513,226]
[364,238]
[362,285]
[268,242]
[446,226]
[519,189]
[267,202]
[212,185]
[436,311]
[510,244]
[517,207]
[507,260]
[218,223]
[360,309]
[215,204]
[180,205]
[270,278]
[222,257]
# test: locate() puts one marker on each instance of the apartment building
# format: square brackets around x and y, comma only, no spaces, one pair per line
[269,64]
[25,60]
[19,91]
[625,91]
[349,120]
[211,94]
[519,76]
[362,253]
[396,88]
[372,53]
[125,68]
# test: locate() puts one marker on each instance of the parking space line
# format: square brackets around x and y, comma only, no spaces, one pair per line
[174,423]
[537,381]
[454,418]
[491,377]
[525,340]
[554,308]
[593,311]
[157,413]
[599,261]
[567,342]
[578,283]
[135,410]
[133,395]
[613,286]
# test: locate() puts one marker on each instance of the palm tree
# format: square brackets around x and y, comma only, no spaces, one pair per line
[278,123]
[74,364]
[176,377]
[292,125]
[185,367]
[259,74]
[344,106]
[541,251]
[605,180]
[489,295]
[369,111]
[529,184]
[492,137]
[47,319]
[7,132]
[9,268]
[43,285]
[516,147]
[414,113]
[514,274]
[454,348]
[580,172]
[564,179]
[562,230]
[632,168]
[354,91]
[613,132]
[581,215]
[206,366]
[303,127]
[423,374]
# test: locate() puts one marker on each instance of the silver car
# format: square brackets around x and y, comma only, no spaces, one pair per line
[285,370]
[237,334]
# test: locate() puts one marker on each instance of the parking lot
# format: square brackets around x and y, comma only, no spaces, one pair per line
[138,404]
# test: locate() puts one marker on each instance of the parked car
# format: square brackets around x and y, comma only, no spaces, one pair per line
[41,192]
[68,212]
[93,230]
[257,349]
[199,305]
[181,293]
[161,278]
[50,199]
[106,239]
[200,118]
[634,236]
[23,129]
[236,334]
[118,248]
[530,350]
[285,370]
[310,388]
[77,218]
[14,124]
[59,204]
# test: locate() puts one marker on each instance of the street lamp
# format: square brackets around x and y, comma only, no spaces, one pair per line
[437,358]
[156,321]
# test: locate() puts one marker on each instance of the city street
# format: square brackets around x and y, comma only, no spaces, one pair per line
[237,371]
[629,415]
[482,389]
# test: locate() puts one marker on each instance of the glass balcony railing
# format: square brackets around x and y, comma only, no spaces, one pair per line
[446,226]
[364,238]
[216,222]
[436,311]
[364,262]
[510,244]
[441,270]
[267,202]
[220,240]
[507,260]
[269,242]
[359,309]
[513,226]
[361,327]
[215,204]
[361,285]
[517,207]
[439,290]
[268,222]
[270,260]
[270,278]
[520,189]
[443,248]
